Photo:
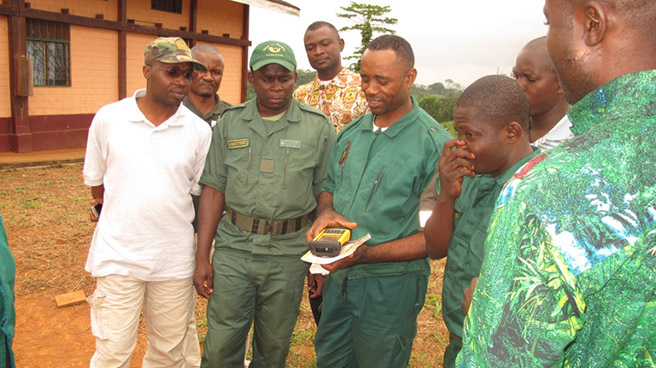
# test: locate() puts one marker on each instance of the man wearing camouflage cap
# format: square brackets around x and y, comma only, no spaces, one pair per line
[144,158]
[265,168]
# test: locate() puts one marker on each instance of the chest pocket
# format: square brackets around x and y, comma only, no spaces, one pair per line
[238,161]
[299,161]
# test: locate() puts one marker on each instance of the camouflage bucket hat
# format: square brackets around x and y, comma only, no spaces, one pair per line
[170,50]
[273,52]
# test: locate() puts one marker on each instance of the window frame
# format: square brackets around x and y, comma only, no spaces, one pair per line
[169,6]
[47,43]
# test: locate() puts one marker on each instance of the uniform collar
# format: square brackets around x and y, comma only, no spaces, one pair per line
[190,105]
[251,116]
[135,115]
[398,126]
[505,177]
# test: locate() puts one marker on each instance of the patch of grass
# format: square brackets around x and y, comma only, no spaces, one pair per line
[433,301]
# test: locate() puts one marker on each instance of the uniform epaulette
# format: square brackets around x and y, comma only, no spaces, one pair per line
[235,107]
[309,108]
[437,132]
[305,107]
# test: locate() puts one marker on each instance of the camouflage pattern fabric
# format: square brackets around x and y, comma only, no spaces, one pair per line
[170,50]
[569,276]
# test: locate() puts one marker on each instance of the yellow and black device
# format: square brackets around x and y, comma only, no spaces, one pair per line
[329,242]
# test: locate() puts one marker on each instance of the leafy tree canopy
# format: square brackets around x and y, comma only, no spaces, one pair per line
[370,19]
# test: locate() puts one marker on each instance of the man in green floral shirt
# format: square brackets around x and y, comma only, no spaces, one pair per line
[569,276]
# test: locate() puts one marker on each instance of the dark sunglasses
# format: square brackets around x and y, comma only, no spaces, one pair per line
[177,72]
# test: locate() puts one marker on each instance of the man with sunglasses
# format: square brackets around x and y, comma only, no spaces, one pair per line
[144,158]
[265,168]
[202,98]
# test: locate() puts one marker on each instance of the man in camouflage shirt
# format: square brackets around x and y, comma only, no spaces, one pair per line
[569,276]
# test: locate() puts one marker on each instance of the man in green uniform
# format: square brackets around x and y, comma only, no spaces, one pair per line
[491,118]
[266,166]
[380,165]
[7,312]
[568,278]
[202,98]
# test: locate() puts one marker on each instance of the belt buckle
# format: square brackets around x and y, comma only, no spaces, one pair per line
[268,227]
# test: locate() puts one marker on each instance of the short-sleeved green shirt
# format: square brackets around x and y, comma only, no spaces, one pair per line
[376,179]
[473,210]
[213,115]
[273,173]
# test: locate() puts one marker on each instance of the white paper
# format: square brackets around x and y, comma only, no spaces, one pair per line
[316,268]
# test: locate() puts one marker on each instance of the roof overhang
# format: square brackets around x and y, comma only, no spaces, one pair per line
[275,5]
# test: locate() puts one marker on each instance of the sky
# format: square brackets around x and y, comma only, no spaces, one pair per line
[458,40]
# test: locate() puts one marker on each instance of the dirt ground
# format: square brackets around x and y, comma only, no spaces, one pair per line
[45,212]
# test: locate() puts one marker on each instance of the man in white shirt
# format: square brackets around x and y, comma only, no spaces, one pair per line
[548,108]
[144,157]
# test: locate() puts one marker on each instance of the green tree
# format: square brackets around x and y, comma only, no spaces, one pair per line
[437,88]
[439,107]
[370,19]
[419,91]
[305,76]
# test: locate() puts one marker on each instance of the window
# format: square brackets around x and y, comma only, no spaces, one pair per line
[171,6]
[48,45]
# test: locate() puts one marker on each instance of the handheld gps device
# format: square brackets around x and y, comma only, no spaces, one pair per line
[329,242]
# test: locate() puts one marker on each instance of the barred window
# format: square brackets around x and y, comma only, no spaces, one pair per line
[48,45]
[171,6]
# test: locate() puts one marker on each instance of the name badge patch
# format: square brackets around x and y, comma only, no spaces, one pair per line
[237,143]
[286,143]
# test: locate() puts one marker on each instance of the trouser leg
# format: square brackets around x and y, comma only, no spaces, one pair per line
[370,322]
[279,293]
[334,339]
[115,308]
[451,352]
[229,312]
[191,345]
[386,324]
[167,309]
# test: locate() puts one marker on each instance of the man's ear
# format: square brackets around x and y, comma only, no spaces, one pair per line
[146,71]
[410,77]
[514,132]
[250,78]
[341,45]
[596,23]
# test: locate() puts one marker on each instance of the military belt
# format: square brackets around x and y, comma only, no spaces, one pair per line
[263,226]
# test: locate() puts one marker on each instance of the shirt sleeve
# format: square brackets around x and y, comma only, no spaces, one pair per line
[214,172]
[204,138]
[526,308]
[333,164]
[95,159]
[320,175]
